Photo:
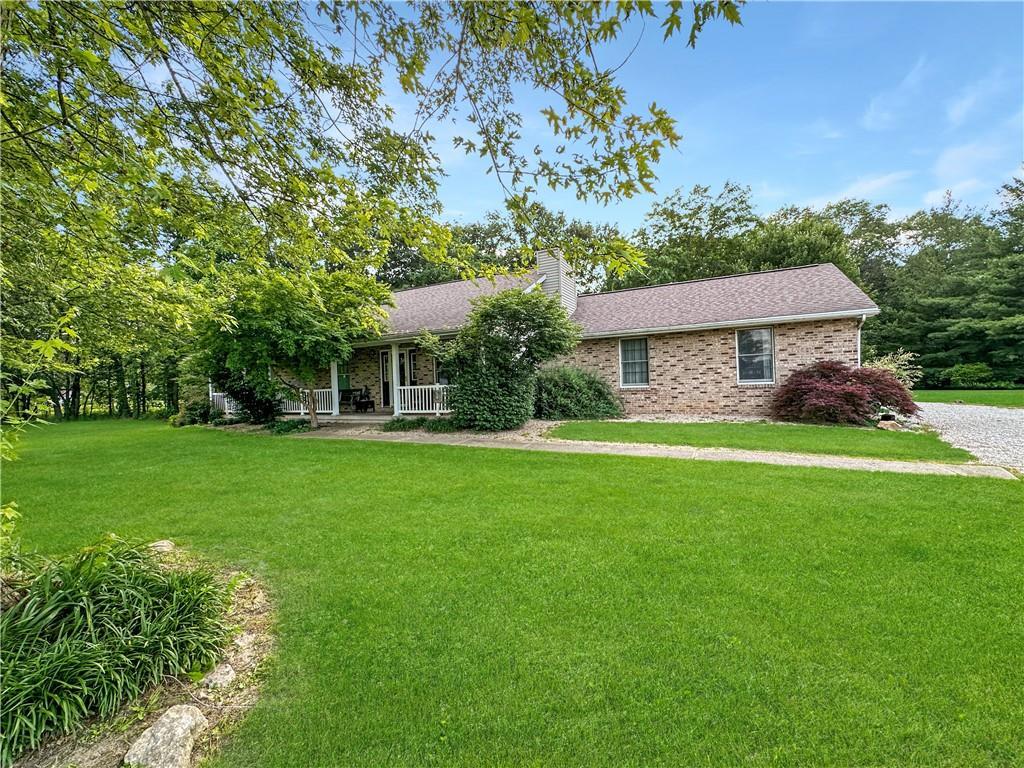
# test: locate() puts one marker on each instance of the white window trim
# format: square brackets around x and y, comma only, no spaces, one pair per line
[647,343]
[736,341]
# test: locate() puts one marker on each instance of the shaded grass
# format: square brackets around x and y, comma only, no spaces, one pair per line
[454,606]
[759,436]
[1004,398]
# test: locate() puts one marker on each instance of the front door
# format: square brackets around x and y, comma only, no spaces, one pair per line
[406,365]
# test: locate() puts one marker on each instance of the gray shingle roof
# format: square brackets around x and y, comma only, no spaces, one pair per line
[820,289]
[444,307]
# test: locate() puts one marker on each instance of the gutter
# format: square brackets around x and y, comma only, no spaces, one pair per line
[862,314]
[777,319]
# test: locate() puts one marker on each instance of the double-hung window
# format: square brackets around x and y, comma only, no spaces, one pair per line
[633,371]
[755,356]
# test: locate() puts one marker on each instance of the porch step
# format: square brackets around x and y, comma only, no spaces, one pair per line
[356,418]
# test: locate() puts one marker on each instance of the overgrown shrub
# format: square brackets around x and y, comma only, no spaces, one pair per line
[968,375]
[288,426]
[93,631]
[484,399]
[257,399]
[832,392]
[493,360]
[567,392]
[900,364]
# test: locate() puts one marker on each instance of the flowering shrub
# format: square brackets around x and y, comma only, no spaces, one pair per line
[901,364]
[835,393]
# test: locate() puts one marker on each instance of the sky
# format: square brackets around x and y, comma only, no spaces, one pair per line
[812,102]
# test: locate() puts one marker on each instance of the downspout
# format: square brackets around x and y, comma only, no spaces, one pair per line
[860,325]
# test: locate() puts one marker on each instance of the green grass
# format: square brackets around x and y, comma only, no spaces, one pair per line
[452,606]
[1006,398]
[759,436]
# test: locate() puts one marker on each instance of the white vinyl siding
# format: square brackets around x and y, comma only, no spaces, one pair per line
[633,370]
[755,356]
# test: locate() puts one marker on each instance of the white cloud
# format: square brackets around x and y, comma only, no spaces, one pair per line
[866,186]
[965,160]
[935,196]
[823,129]
[863,187]
[977,165]
[978,92]
[884,108]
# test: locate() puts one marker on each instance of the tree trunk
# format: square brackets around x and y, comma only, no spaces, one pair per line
[74,400]
[55,397]
[314,421]
[110,394]
[144,409]
[123,408]
[87,405]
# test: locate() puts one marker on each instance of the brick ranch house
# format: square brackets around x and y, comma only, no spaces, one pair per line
[713,347]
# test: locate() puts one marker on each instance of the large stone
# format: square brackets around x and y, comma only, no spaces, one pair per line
[164,545]
[219,677]
[169,741]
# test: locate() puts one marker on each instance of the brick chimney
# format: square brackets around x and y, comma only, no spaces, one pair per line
[558,280]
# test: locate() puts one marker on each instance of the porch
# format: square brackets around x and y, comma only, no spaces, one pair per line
[398,379]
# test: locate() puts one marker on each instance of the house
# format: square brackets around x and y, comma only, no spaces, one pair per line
[713,347]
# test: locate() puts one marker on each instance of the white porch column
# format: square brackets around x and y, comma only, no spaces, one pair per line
[395,380]
[335,395]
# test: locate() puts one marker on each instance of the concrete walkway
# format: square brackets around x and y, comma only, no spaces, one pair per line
[510,441]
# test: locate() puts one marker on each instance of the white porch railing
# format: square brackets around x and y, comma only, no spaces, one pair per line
[324,403]
[223,402]
[426,398]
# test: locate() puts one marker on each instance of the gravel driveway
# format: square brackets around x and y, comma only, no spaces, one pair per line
[994,435]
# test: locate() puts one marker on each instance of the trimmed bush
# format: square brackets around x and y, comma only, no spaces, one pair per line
[403,424]
[968,375]
[93,631]
[441,425]
[834,393]
[567,392]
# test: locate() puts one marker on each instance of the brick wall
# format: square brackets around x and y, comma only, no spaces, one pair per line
[695,373]
[364,370]
[321,381]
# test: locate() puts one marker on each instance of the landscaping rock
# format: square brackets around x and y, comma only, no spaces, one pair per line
[164,545]
[169,741]
[220,677]
[893,426]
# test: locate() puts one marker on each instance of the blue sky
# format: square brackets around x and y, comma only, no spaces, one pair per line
[811,102]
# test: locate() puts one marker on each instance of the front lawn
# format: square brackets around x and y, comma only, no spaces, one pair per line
[761,436]
[454,606]
[1004,398]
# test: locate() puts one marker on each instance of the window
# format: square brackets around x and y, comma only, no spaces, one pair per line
[633,363]
[440,374]
[755,356]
